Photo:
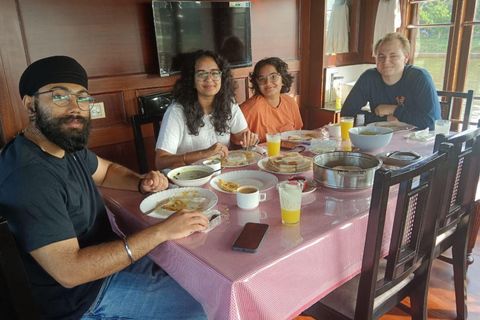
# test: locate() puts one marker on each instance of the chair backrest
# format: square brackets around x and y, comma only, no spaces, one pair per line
[16,298]
[462,178]
[137,122]
[412,238]
[447,103]
[154,104]
[151,108]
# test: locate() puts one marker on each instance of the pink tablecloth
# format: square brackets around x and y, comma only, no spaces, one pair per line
[294,267]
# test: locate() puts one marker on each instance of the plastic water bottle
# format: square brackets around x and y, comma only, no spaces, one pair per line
[360,120]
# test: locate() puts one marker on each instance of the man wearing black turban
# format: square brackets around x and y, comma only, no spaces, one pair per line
[49,196]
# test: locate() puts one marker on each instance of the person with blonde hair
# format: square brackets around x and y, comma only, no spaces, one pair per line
[396,91]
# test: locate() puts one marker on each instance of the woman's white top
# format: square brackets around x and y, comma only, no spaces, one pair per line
[175,138]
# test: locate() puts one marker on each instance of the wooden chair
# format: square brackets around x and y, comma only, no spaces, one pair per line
[459,198]
[16,298]
[137,122]
[447,99]
[151,108]
[405,270]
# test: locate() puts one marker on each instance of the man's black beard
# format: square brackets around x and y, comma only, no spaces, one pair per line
[70,140]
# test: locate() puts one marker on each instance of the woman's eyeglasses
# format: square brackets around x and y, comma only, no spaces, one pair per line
[272,76]
[63,98]
[203,76]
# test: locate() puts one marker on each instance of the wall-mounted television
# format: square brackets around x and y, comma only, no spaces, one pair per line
[182,27]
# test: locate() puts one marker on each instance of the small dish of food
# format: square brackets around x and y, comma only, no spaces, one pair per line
[229,182]
[190,176]
[162,204]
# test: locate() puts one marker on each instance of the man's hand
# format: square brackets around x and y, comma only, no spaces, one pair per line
[392,119]
[385,110]
[153,181]
[182,223]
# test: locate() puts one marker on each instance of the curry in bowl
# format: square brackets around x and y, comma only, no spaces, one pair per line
[370,138]
[190,176]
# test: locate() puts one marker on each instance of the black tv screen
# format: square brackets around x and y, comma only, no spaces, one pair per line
[182,27]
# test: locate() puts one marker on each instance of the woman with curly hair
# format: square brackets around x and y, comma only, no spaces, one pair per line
[270,109]
[199,122]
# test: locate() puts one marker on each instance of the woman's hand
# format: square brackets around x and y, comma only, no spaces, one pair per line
[248,138]
[218,148]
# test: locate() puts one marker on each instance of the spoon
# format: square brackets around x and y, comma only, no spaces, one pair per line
[251,148]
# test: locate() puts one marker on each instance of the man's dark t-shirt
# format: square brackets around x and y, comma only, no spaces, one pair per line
[414,94]
[46,199]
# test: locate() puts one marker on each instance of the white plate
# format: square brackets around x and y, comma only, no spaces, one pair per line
[395,126]
[256,157]
[150,202]
[260,164]
[262,180]
[302,134]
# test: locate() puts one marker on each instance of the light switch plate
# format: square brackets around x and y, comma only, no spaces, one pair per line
[98,111]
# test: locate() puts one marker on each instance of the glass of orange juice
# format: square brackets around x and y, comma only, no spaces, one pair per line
[346,123]
[273,144]
[290,201]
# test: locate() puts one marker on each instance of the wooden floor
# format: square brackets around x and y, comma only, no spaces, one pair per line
[441,297]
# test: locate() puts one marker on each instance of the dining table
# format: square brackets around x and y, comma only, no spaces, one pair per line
[294,267]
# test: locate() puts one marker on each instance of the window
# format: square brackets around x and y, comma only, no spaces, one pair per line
[473,76]
[440,33]
[432,28]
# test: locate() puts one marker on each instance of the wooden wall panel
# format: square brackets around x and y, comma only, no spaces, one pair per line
[123,153]
[12,63]
[114,110]
[107,37]
[274,32]
[242,91]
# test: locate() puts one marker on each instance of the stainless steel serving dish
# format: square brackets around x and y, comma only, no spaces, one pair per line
[345,170]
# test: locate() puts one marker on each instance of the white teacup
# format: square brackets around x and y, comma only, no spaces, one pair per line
[254,215]
[214,164]
[334,129]
[248,197]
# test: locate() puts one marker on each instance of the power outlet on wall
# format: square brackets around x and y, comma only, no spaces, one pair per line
[98,111]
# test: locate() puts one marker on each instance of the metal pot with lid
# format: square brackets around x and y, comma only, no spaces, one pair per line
[345,170]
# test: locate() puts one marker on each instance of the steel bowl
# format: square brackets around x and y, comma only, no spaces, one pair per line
[345,170]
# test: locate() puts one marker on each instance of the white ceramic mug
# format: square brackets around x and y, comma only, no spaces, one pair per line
[253,215]
[248,197]
[334,130]
[214,164]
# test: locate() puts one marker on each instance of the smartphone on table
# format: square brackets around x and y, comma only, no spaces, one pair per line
[251,237]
